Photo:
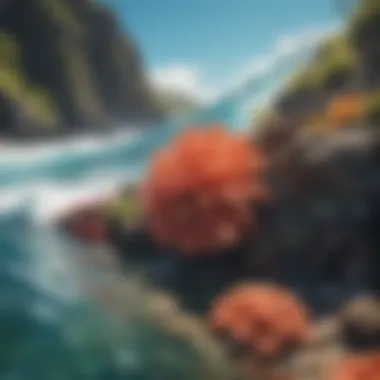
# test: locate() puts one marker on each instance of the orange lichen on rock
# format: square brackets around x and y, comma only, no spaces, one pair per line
[345,109]
[358,367]
[199,191]
[265,318]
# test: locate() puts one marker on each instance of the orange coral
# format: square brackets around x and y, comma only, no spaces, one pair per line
[345,109]
[198,192]
[358,367]
[265,318]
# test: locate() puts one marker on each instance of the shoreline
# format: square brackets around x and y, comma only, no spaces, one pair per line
[133,243]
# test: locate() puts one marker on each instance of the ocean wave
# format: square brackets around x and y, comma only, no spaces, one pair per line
[45,201]
[13,154]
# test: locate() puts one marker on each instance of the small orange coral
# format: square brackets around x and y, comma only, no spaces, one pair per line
[199,190]
[266,318]
[345,109]
[359,367]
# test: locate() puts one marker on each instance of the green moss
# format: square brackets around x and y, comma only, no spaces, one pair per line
[63,15]
[364,8]
[34,99]
[335,57]
[372,107]
[9,52]
[305,80]
[337,49]
[365,21]
[124,208]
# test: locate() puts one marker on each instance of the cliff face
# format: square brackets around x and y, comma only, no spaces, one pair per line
[67,65]
[345,63]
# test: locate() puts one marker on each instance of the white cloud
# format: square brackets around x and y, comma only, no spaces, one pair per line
[182,78]
[189,79]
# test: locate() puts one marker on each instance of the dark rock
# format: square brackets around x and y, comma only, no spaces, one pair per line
[317,236]
[78,54]
[365,33]
[295,105]
[361,323]
[195,281]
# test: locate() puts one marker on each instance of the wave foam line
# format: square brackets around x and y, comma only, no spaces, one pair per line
[45,201]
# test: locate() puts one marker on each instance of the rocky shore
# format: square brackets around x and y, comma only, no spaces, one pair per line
[317,239]
[321,214]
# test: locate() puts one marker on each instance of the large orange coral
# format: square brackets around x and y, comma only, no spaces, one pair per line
[265,318]
[358,367]
[199,190]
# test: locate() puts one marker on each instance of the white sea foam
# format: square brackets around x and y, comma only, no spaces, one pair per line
[46,201]
[34,153]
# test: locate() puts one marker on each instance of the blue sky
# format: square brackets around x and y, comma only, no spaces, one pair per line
[210,41]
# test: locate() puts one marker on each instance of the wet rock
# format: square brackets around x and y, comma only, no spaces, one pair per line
[361,322]
[317,236]
[325,348]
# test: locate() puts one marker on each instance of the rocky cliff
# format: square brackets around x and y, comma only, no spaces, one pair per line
[346,62]
[67,65]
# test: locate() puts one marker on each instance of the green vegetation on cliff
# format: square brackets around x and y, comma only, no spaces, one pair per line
[70,65]
[124,209]
[332,65]
[336,59]
[35,100]
[336,62]
[372,108]
[346,62]
[365,22]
